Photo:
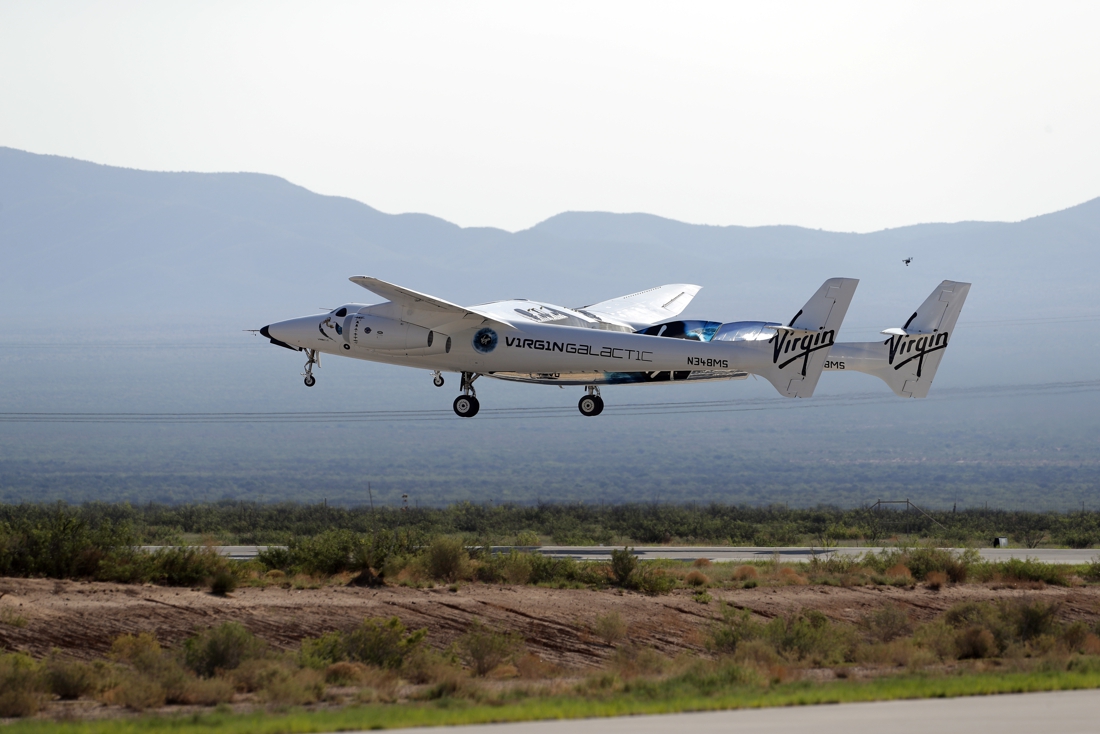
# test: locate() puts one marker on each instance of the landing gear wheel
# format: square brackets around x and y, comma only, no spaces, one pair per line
[312,358]
[466,406]
[591,405]
[437,380]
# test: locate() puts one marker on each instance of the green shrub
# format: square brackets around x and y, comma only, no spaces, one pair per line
[204,692]
[1074,636]
[344,673]
[382,643]
[528,538]
[650,579]
[67,678]
[975,642]
[971,615]
[483,649]
[224,582]
[809,636]
[623,565]
[922,561]
[256,674]
[221,648]
[140,650]
[1078,539]
[12,618]
[320,652]
[125,566]
[21,686]
[610,627]
[446,559]
[710,678]
[516,568]
[137,692]
[331,552]
[1032,619]
[547,570]
[736,626]
[276,558]
[297,689]
[887,623]
[185,565]
[1015,569]
[511,568]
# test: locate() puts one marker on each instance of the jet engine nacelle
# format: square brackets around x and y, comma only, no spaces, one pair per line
[387,335]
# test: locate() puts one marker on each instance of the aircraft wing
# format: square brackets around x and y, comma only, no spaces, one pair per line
[647,307]
[421,309]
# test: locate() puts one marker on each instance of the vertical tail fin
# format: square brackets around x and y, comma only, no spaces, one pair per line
[800,349]
[908,359]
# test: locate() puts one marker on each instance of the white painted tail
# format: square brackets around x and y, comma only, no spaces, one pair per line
[799,350]
[909,357]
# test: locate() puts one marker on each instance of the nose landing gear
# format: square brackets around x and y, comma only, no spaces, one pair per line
[437,380]
[591,404]
[312,358]
[466,405]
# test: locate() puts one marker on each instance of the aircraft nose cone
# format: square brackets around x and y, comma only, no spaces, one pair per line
[264,332]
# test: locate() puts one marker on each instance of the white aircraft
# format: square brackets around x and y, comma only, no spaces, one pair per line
[631,340]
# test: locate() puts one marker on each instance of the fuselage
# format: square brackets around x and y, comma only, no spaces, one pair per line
[372,333]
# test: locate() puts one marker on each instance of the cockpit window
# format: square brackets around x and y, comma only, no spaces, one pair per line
[341,313]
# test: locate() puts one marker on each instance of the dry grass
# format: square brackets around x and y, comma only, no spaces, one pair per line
[744,573]
[790,577]
[702,563]
[696,578]
[935,580]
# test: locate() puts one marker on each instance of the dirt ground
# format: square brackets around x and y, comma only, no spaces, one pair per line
[82,618]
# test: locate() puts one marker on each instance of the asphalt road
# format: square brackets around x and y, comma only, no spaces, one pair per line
[1064,712]
[596,553]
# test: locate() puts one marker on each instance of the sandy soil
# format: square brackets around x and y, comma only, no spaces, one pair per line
[82,618]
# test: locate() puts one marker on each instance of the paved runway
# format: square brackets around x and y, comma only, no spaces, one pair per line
[725,553]
[1064,712]
[720,553]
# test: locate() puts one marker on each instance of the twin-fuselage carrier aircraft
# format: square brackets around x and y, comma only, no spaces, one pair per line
[632,340]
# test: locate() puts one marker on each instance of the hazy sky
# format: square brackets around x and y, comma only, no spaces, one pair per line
[845,116]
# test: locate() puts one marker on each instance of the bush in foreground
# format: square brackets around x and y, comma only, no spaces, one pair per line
[223,648]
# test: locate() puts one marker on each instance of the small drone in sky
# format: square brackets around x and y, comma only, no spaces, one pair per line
[907,261]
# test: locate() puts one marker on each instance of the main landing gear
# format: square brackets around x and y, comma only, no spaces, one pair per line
[591,404]
[313,357]
[466,405]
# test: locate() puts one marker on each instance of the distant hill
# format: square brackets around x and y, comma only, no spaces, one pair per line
[196,245]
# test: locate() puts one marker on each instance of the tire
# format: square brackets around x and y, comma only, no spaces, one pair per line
[438,380]
[590,405]
[310,380]
[466,406]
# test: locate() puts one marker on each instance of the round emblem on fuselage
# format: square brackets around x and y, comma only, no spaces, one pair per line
[485,340]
